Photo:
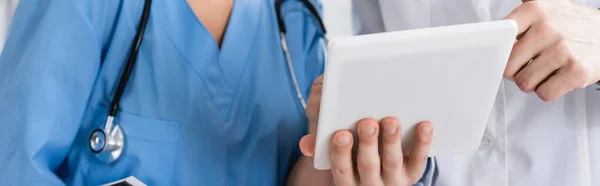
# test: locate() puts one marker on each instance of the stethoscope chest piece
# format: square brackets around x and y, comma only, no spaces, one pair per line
[107,144]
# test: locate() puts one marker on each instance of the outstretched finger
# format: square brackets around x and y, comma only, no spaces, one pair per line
[420,151]
[313,104]
[307,145]
[341,158]
[392,158]
[367,158]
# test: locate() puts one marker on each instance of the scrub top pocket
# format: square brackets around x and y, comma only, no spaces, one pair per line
[150,152]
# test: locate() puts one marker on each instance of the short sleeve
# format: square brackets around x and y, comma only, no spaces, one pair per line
[47,70]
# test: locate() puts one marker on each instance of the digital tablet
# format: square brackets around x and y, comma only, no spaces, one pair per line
[448,75]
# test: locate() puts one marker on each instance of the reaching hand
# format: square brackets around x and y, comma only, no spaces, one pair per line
[558,47]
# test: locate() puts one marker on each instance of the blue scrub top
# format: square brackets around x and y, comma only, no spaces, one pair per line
[192,114]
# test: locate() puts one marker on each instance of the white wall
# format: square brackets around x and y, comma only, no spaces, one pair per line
[337,17]
[7,8]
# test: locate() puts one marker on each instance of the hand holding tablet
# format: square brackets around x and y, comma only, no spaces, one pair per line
[395,169]
[446,75]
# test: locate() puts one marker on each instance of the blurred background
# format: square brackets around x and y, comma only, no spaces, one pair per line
[7,8]
[337,15]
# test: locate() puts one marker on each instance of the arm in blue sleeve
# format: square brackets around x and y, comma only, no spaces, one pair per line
[307,50]
[307,46]
[47,69]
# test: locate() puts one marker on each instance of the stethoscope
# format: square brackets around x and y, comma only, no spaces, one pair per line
[108,143]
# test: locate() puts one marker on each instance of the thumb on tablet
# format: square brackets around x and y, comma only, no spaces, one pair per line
[307,143]
[313,104]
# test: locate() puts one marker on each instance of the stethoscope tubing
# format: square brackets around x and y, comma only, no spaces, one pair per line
[131,59]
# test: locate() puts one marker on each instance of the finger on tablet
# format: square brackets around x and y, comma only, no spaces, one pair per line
[420,150]
[541,68]
[526,15]
[307,145]
[313,104]
[342,167]
[391,152]
[567,78]
[538,38]
[368,160]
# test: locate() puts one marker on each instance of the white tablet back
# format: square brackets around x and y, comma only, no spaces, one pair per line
[447,75]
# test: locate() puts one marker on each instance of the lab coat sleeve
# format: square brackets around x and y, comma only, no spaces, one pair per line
[47,70]
[367,17]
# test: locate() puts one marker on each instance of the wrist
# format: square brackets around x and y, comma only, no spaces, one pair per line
[304,173]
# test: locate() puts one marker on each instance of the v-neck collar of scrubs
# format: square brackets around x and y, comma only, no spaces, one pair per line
[221,69]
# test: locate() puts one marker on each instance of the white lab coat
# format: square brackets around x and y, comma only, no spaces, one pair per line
[526,141]
[7,8]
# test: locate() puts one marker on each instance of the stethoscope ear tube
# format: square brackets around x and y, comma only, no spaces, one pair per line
[135,47]
[311,8]
[315,14]
[284,44]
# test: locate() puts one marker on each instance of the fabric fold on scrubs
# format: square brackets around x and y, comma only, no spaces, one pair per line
[191,114]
